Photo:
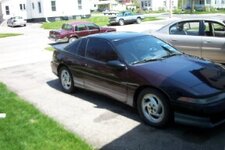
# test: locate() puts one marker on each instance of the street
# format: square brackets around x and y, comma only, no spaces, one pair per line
[104,123]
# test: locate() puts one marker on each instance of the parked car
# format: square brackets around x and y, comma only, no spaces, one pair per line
[125,17]
[110,12]
[16,21]
[200,37]
[72,31]
[146,73]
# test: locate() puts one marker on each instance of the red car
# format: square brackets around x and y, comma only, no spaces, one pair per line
[75,30]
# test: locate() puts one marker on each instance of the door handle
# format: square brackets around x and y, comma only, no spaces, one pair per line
[174,40]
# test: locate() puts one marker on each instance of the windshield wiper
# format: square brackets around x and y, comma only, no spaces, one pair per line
[171,54]
[146,60]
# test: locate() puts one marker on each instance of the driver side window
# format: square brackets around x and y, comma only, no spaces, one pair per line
[100,50]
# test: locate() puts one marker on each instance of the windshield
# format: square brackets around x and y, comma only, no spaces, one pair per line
[144,49]
[67,27]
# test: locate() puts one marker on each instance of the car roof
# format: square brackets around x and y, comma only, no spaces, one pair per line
[195,19]
[117,36]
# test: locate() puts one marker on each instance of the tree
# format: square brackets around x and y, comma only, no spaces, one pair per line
[137,4]
[192,6]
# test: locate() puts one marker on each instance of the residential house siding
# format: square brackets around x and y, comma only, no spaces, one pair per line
[46,9]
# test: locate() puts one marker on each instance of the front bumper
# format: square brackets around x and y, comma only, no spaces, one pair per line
[205,115]
[113,22]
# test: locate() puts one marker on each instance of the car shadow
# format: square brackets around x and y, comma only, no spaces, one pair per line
[144,137]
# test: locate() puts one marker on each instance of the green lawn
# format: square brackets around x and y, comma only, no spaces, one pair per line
[99,20]
[208,11]
[25,128]
[50,48]
[150,19]
[3,35]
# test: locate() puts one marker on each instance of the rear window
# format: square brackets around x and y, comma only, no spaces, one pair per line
[67,27]
[72,48]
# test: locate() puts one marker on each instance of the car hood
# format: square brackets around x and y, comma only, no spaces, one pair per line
[202,76]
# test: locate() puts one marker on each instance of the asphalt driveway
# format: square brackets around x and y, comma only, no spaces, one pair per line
[103,122]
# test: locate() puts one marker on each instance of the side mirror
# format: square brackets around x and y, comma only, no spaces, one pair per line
[116,64]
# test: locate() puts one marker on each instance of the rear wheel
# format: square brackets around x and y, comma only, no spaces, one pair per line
[72,39]
[66,80]
[138,20]
[154,108]
[121,22]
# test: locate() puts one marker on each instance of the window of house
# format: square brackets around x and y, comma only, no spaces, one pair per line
[21,7]
[53,4]
[100,50]
[79,4]
[24,6]
[7,10]
[39,7]
[33,6]
[201,1]
[208,1]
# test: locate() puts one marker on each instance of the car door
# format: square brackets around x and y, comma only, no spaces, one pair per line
[99,76]
[185,36]
[213,43]
[81,30]
[93,28]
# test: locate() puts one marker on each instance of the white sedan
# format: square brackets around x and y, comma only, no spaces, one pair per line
[200,37]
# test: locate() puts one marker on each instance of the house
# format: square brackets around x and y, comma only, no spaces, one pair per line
[156,5]
[111,5]
[1,15]
[45,10]
[203,4]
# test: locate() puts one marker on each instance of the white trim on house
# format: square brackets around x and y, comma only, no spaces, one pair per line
[157,5]
[45,9]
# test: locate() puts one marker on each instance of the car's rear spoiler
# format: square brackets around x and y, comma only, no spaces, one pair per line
[60,47]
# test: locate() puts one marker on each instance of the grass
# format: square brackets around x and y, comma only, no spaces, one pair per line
[99,20]
[207,11]
[49,48]
[4,35]
[151,19]
[25,128]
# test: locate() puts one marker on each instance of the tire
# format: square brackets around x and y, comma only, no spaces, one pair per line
[138,20]
[121,22]
[154,108]
[72,39]
[66,80]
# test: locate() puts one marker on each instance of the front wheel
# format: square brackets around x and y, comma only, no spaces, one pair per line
[154,108]
[66,80]
[121,22]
